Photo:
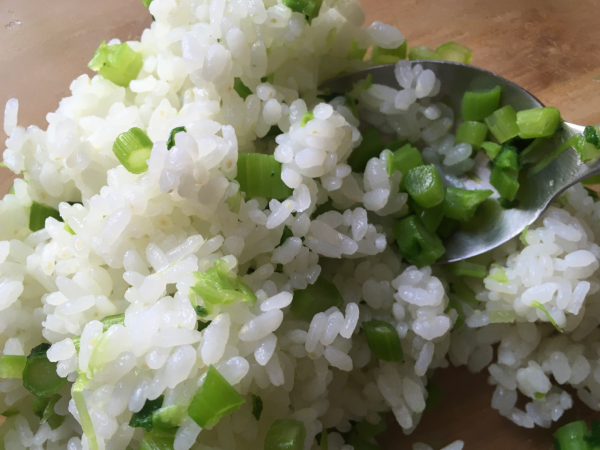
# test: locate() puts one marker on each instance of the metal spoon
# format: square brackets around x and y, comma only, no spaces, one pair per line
[494,225]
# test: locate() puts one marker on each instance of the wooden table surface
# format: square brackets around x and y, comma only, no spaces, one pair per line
[550,47]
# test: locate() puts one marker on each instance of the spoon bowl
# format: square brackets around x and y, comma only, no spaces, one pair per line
[493,225]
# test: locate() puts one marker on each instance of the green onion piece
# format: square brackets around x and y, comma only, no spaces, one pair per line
[260,176]
[234,202]
[316,298]
[360,443]
[10,412]
[434,395]
[431,218]
[143,418]
[383,340]
[542,308]
[221,286]
[423,53]
[491,149]
[257,406]
[117,63]
[576,142]
[323,442]
[407,157]
[591,136]
[465,294]
[538,122]
[285,434]
[417,245]
[478,105]
[107,322]
[38,215]
[242,90]
[307,117]
[168,417]
[214,399]
[595,435]
[502,316]
[381,56]
[499,274]
[524,235]
[12,366]
[533,152]
[171,140]
[371,147]
[84,415]
[310,8]
[471,132]
[447,227]
[503,124]
[572,436]
[43,407]
[146,3]
[425,186]
[507,158]
[39,375]
[68,229]
[455,304]
[387,156]
[395,144]
[461,204]
[133,149]
[158,439]
[369,430]
[202,325]
[451,51]
[354,52]
[55,421]
[505,181]
[468,269]
[287,233]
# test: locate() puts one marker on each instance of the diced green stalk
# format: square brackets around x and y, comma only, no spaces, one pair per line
[499,274]
[533,152]
[387,157]
[508,158]
[285,434]
[368,430]
[538,122]
[12,366]
[425,186]
[461,204]
[434,395]
[407,157]
[55,421]
[117,63]
[523,236]
[491,149]
[310,8]
[43,407]
[506,182]
[159,439]
[423,53]
[133,149]
[257,406]
[360,443]
[417,245]
[468,269]
[143,418]
[146,3]
[234,202]
[10,412]
[465,294]
[260,176]
[576,142]
[572,436]
[355,52]
[39,375]
[478,105]
[242,90]
[431,218]
[169,416]
[451,51]
[316,298]
[107,322]
[381,56]
[471,132]
[502,316]
[171,140]
[395,144]
[214,399]
[447,227]
[307,117]
[456,305]
[592,135]
[586,145]
[383,340]
[323,442]
[371,147]
[38,215]
[84,415]
[201,325]
[221,286]
[503,124]
[542,308]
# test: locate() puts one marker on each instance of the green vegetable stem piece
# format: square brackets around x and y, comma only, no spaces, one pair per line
[506,182]
[572,436]
[118,63]
[242,90]
[370,147]
[417,245]
[478,105]
[468,269]
[424,185]
[285,434]
[171,140]
[132,148]
[39,376]
[38,215]
[503,124]
[383,340]
[221,286]
[143,418]
[12,366]
[260,176]
[538,122]
[310,8]
[491,149]
[422,53]
[316,298]
[473,133]
[407,157]
[461,204]
[381,55]
[451,51]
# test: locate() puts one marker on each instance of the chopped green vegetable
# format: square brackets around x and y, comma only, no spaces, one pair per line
[286,434]
[465,294]
[506,182]
[360,443]
[214,399]
[456,305]
[591,136]
[84,415]
[39,376]
[323,441]
[434,395]
[310,8]
[447,227]
[260,176]
[146,3]
[539,395]
[201,325]
[307,117]
[417,245]
[316,298]
[461,204]
[107,322]
[383,340]
[234,202]
[133,149]
[395,144]
[478,105]
[370,147]
[171,140]
[12,366]
[491,149]
[387,156]
[9,412]
[169,416]
[381,56]
[242,90]
[503,124]
[502,316]
[355,52]
[542,308]
[68,229]
[368,430]
[38,215]
[143,418]
[507,159]
[425,186]
[118,63]
[405,158]
[468,269]
[257,406]
[594,439]
[572,436]
[471,132]
[158,439]
[524,235]
[422,53]
[431,218]
[499,274]
[451,51]
[55,421]
[538,122]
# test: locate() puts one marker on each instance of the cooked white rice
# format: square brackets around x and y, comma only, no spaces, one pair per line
[139,238]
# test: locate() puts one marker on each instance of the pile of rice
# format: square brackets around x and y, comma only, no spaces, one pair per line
[139,238]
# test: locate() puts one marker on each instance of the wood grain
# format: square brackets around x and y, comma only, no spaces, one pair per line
[550,47]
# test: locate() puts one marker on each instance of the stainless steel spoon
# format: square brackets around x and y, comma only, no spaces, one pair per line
[494,225]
